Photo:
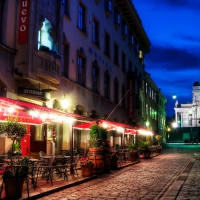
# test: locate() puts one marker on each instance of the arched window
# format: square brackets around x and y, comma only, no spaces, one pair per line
[44,37]
[81,67]
[116,90]
[106,84]
[95,76]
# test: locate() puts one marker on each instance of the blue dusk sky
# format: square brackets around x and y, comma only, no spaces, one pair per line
[173,28]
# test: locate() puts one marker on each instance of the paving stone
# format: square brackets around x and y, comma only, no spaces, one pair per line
[152,179]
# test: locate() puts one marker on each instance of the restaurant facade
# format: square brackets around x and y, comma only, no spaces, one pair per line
[64,63]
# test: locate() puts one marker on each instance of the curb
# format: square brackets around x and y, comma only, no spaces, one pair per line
[177,181]
[59,188]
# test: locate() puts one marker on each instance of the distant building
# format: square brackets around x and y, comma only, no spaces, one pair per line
[187,115]
[155,107]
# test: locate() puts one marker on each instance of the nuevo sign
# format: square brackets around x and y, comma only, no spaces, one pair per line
[23,21]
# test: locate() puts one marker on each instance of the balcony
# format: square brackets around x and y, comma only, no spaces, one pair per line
[47,66]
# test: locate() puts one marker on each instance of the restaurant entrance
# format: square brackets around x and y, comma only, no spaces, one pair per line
[38,140]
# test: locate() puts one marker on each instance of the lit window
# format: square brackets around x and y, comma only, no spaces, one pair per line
[95,32]
[131,39]
[146,88]
[44,38]
[107,44]
[117,17]
[80,70]
[116,54]
[81,58]
[95,76]
[81,18]
[116,91]
[123,61]
[106,84]
[66,7]
[146,109]
[109,5]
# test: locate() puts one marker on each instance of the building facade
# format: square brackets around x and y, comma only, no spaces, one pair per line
[187,117]
[155,107]
[90,53]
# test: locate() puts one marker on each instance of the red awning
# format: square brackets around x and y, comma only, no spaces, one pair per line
[114,125]
[22,112]
[26,105]
[84,126]
[131,132]
[108,124]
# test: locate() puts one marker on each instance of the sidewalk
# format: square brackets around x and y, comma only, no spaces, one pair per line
[186,185]
[173,175]
[44,188]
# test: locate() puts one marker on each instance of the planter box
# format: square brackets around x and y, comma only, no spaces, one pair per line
[87,171]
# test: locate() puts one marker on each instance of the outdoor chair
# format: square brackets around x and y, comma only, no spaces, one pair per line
[119,158]
[60,166]
[127,155]
[45,167]
[59,160]
[72,166]
[41,154]
[64,152]
[34,170]
[80,151]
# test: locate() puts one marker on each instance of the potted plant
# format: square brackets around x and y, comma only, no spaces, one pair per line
[15,131]
[86,167]
[14,176]
[145,148]
[99,148]
[133,148]
[159,146]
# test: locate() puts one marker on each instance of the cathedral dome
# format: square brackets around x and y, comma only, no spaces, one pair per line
[196,83]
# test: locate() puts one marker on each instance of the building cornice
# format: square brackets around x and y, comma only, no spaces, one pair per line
[131,16]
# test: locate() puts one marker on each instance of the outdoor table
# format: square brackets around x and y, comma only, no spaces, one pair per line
[8,160]
[64,152]
[68,158]
[34,160]
[47,159]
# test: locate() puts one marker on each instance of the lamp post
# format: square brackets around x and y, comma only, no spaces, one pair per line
[174,125]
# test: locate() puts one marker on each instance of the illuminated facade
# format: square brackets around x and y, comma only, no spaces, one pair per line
[88,52]
[155,108]
[188,114]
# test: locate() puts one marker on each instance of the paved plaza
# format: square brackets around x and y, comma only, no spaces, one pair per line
[175,174]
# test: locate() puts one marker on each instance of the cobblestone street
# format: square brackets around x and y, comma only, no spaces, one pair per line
[150,179]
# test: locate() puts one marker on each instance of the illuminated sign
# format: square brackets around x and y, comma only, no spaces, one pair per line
[23,21]
[30,92]
[130,98]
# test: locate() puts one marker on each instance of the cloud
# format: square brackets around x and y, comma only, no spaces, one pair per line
[172,58]
[177,4]
[173,29]
[191,38]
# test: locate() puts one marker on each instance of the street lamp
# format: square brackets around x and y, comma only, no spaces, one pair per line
[174,125]
[174,96]
[147,124]
[64,103]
